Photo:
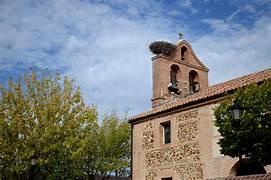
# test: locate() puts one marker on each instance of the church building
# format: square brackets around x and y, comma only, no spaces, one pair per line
[177,139]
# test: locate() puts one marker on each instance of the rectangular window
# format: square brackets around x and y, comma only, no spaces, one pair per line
[166,132]
[168,178]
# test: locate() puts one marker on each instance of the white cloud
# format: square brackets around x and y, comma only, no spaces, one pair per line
[221,26]
[248,8]
[188,4]
[240,52]
[106,51]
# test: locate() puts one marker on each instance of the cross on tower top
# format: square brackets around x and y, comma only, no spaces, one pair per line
[180,35]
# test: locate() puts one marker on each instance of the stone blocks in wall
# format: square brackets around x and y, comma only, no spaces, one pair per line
[187,126]
[192,114]
[148,137]
[187,131]
[183,157]
[172,155]
[190,171]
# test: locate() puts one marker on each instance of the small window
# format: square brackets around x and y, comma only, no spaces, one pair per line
[166,132]
[168,178]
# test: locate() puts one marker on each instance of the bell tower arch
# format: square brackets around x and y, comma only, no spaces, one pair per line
[176,71]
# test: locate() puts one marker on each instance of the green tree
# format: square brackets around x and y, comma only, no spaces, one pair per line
[46,119]
[109,151]
[250,135]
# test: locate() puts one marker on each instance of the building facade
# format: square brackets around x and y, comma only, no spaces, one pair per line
[177,139]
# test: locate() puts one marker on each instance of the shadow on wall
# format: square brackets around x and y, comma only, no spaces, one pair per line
[246,168]
[249,177]
[112,178]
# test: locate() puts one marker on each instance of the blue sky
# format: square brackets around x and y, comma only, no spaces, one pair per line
[103,45]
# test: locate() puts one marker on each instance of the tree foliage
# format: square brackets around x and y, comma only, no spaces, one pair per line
[42,119]
[46,119]
[109,151]
[250,136]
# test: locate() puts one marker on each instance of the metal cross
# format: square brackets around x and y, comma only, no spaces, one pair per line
[180,35]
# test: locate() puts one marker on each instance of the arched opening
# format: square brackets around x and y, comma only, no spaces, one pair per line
[173,86]
[193,82]
[183,53]
[246,167]
[173,75]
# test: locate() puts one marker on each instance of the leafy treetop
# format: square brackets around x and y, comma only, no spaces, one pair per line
[249,136]
[46,119]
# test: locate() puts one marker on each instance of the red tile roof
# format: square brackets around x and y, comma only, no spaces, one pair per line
[212,91]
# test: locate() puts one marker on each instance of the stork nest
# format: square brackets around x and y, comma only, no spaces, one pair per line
[162,47]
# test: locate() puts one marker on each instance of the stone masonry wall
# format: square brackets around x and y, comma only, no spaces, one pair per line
[148,137]
[192,154]
[183,156]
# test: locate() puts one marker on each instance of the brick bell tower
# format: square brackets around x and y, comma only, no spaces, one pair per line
[177,72]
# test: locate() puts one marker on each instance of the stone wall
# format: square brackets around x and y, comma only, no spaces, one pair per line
[192,154]
[148,137]
[182,155]
[187,126]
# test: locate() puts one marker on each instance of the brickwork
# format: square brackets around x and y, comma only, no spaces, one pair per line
[161,73]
